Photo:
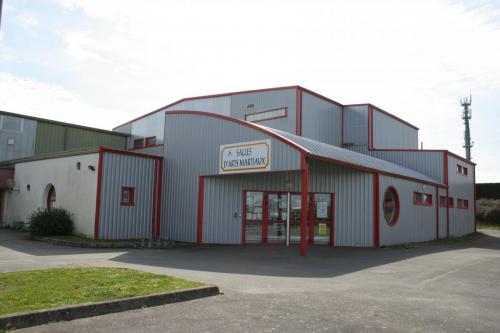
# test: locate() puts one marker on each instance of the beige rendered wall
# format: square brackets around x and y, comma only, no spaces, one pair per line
[75,189]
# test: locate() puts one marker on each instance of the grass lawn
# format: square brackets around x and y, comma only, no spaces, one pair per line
[47,288]
[444,241]
[486,225]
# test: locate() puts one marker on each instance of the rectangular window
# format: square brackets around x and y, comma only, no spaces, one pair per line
[442,201]
[138,143]
[127,196]
[267,115]
[150,141]
[12,124]
[461,170]
[422,199]
[462,203]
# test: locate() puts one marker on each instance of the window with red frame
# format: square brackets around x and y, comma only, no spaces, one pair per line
[138,143]
[442,201]
[391,206]
[461,170]
[422,199]
[150,141]
[127,197]
[462,203]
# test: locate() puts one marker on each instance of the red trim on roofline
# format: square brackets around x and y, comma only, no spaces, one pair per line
[300,148]
[207,96]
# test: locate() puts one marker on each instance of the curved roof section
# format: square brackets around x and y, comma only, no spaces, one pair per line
[332,154]
[326,151]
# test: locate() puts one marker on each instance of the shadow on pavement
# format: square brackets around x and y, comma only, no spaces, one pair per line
[256,260]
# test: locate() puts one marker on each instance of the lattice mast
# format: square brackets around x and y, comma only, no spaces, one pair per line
[466,116]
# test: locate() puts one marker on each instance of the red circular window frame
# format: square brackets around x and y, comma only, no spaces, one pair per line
[395,217]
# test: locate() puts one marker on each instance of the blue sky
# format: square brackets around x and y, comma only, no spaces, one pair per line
[100,63]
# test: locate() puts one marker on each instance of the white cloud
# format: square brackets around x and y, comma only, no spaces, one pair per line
[414,59]
[27,20]
[45,100]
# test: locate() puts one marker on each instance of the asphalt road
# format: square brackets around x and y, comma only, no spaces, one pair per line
[453,288]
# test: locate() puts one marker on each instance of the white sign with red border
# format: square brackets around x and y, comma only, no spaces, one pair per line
[245,157]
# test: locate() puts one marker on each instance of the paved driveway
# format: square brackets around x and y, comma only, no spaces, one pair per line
[453,288]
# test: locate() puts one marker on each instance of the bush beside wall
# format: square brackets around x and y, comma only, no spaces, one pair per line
[50,222]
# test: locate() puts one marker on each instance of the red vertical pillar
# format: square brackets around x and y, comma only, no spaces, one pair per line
[303,212]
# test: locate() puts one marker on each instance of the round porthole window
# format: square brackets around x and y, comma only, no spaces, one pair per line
[391,206]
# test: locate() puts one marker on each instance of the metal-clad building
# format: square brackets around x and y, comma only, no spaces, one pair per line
[24,136]
[277,166]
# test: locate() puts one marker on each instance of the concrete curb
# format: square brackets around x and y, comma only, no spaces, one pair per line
[115,244]
[28,319]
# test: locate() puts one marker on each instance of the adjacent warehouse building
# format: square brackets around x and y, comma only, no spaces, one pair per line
[279,166]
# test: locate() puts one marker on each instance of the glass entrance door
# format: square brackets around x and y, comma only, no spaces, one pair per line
[266,217]
[277,218]
[254,212]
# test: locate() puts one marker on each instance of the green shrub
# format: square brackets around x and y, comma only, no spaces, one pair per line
[53,222]
[488,210]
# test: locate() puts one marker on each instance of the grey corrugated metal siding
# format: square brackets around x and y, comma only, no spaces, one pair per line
[442,216]
[415,223]
[24,142]
[126,222]
[461,187]
[321,120]
[429,163]
[264,101]
[217,105]
[389,133]
[356,125]
[192,149]
[354,201]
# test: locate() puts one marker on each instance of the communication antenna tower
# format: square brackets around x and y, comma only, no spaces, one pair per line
[466,116]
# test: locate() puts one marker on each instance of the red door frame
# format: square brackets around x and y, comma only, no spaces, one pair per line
[311,219]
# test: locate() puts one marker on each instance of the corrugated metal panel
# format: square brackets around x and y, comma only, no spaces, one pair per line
[415,223]
[388,133]
[442,216]
[217,105]
[321,149]
[429,163]
[191,149]
[81,138]
[264,101]
[152,125]
[461,187]
[52,137]
[223,205]
[356,125]
[321,120]
[155,150]
[354,201]
[126,222]
[49,138]
[24,142]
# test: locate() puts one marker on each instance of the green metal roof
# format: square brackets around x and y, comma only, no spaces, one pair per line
[18,115]
[67,153]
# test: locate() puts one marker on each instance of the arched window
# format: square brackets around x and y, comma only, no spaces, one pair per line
[391,206]
[51,197]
